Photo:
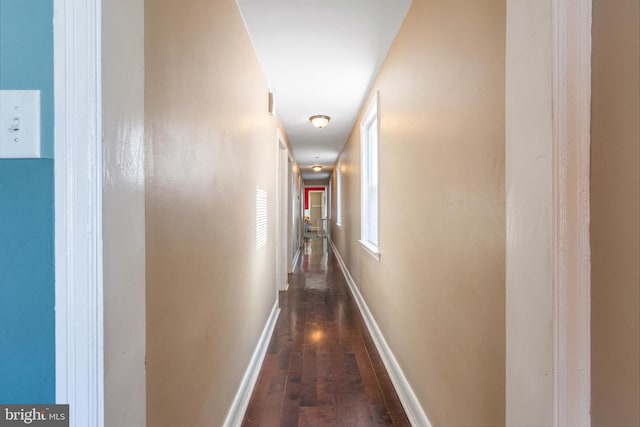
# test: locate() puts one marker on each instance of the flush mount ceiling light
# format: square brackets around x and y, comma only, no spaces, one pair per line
[319,121]
[316,168]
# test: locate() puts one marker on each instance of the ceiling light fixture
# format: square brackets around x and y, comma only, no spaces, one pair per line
[316,168]
[319,120]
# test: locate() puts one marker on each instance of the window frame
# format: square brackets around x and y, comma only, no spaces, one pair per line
[339,194]
[370,179]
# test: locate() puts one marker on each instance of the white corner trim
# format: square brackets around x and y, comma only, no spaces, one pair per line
[295,260]
[241,400]
[409,401]
[282,197]
[571,211]
[78,211]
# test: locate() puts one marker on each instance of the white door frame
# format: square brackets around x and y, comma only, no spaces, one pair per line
[78,210]
[325,200]
[281,239]
[572,251]
[322,203]
[292,239]
[548,118]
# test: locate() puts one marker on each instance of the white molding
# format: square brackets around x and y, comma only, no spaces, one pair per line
[410,403]
[339,204]
[370,115]
[547,200]
[370,249]
[571,267]
[282,208]
[295,260]
[241,401]
[78,210]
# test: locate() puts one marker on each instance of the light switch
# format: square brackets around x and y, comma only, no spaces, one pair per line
[19,123]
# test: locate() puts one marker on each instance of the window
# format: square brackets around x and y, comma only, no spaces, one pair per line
[338,194]
[370,178]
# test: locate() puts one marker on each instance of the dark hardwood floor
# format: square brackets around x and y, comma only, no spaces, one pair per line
[322,368]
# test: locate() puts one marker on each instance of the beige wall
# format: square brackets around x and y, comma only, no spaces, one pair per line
[615,213]
[209,143]
[123,212]
[438,291]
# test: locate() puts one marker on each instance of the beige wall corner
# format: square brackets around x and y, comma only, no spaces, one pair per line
[437,293]
[210,145]
[123,212]
[615,213]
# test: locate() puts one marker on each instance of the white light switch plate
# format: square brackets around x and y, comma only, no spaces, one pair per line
[19,124]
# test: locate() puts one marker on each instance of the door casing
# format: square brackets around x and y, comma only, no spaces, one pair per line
[79,325]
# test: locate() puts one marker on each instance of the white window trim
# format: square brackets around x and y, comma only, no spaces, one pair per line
[369,117]
[339,194]
[371,249]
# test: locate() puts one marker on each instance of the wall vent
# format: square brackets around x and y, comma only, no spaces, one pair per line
[261,218]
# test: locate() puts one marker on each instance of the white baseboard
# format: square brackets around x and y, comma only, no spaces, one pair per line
[296,258]
[409,401]
[241,401]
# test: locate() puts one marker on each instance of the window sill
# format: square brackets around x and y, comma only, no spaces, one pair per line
[371,249]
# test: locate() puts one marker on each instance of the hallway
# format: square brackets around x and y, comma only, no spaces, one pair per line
[475,167]
[322,368]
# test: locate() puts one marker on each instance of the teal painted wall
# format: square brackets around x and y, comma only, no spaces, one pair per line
[27,320]
[26,56]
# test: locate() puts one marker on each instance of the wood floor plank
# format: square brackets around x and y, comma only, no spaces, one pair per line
[308,417]
[291,403]
[309,377]
[258,401]
[325,390]
[270,413]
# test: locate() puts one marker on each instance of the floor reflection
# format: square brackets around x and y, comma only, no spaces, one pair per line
[322,368]
[315,252]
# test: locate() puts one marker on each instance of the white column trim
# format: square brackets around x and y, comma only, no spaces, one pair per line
[282,264]
[571,268]
[78,210]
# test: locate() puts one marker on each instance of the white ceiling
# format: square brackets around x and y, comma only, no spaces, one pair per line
[321,58]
